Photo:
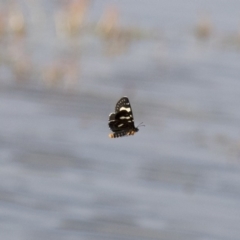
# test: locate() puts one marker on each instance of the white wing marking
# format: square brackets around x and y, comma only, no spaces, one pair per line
[127,109]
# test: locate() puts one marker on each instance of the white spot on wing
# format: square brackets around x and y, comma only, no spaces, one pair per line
[124,117]
[127,109]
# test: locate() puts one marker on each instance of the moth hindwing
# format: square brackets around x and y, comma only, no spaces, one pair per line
[121,122]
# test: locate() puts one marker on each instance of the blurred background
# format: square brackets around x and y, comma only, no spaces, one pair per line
[63,66]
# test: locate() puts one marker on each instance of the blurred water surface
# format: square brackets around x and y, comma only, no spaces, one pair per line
[61,177]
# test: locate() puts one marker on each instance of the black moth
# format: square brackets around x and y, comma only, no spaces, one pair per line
[121,122]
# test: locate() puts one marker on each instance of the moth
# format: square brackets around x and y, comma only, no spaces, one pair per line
[122,122]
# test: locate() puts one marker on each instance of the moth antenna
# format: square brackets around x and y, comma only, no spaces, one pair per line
[141,125]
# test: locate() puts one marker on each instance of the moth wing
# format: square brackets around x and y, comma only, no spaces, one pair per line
[123,104]
[112,116]
[122,119]
[119,125]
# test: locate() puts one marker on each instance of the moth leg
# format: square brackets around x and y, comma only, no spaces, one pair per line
[111,135]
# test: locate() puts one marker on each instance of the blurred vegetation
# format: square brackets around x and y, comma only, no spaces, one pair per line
[26,29]
[19,40]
